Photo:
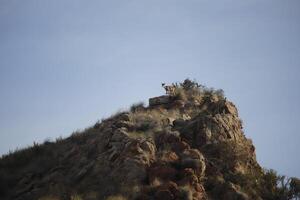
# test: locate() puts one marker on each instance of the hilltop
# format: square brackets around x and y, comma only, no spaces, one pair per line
[186,145]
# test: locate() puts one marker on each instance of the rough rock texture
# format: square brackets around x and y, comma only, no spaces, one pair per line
[155,101]
[189,148]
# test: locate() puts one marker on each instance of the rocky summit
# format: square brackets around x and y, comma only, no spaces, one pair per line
[186,145]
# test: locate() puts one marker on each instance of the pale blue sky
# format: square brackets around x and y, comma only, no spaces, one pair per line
[64,64]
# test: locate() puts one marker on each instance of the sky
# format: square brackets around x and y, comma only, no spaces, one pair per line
[64,64]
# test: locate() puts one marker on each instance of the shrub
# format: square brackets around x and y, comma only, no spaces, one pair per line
[47,141]
[137,107]
[189,84]
[225,154]
[190,91]
[219,93]
[295,187]
[147,120]
[276,187]
[180,94]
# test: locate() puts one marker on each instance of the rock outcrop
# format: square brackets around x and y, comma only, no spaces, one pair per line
[190,146]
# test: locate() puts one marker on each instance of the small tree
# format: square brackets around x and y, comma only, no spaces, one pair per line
[189,84]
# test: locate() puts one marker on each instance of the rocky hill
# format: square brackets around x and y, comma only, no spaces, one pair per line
[187,145]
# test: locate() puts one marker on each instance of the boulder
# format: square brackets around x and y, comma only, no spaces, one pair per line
[161,100]
[230,108]
[169,157]
[179,123]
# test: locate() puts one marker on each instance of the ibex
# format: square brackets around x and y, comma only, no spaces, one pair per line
[170,89]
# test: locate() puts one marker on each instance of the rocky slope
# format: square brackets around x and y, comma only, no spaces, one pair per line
[188,145]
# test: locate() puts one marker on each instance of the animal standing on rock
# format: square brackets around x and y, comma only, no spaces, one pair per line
[170,89]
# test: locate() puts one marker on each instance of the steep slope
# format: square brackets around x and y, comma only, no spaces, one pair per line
[185,145]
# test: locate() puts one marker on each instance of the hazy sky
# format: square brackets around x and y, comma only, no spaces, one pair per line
[64,64]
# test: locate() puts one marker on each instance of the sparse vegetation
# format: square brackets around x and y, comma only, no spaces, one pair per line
[191,91]
[137,107]
[76,197]
[266,184]
[112,160]
[116,197]
[136,135]
[277,187]
[151,121]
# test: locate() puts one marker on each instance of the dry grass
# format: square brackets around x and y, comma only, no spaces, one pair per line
[49,198]
[135,134]
[116,197]
[76,197]
[148,122]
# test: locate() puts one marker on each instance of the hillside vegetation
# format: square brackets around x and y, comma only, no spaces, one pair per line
[187,145]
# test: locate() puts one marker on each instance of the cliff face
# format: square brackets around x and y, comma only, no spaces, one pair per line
[188,145]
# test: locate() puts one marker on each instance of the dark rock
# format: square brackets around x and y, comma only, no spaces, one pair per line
[161,100]
[179,123]
[164,195]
